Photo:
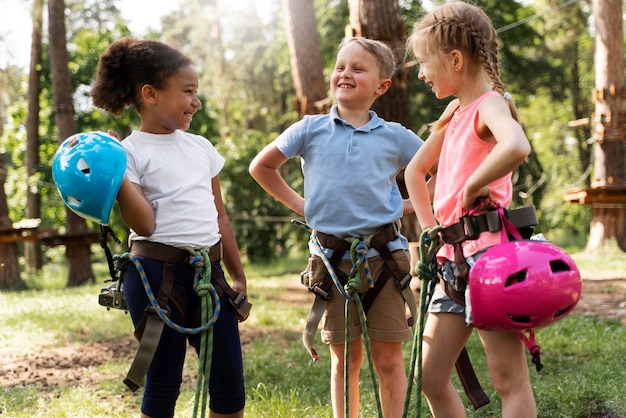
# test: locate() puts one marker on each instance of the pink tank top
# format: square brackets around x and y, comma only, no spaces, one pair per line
[462,152]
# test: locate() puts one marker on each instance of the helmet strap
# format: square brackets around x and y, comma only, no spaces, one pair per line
[531,345]
[105,231]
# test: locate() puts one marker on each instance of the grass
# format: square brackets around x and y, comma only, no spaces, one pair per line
[583,357]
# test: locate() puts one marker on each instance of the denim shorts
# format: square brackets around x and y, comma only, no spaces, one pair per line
[441,302]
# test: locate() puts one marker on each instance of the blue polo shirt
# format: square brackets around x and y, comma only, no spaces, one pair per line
[350,187]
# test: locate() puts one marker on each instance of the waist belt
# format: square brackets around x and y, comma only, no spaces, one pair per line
[470,227]
[381,237]
[170,254]
[174,255]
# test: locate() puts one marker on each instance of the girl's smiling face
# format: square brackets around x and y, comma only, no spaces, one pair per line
[435,70]
[173,106]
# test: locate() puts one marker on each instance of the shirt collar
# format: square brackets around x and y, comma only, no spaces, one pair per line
[373,123]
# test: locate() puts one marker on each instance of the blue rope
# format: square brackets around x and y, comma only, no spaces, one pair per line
[198,261]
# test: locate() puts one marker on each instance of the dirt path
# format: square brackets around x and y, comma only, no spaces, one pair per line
[78,363]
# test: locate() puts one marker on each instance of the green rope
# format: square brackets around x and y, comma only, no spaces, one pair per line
[204,288]
[425,269]
[358,255]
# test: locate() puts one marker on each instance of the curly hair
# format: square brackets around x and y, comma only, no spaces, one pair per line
[128,65]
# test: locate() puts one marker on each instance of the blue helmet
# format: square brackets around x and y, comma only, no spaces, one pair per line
[88,170]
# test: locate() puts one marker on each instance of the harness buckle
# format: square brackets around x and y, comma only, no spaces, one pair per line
[241,305]
[470,227]
[318,291]
[404,282]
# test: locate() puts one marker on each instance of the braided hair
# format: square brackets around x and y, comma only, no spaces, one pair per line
[462,26]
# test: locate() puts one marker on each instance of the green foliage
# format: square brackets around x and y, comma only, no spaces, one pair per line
[247,94]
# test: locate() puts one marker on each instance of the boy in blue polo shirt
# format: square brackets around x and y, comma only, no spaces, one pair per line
[350,159]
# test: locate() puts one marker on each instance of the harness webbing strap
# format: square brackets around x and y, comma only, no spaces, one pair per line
[470,227]
[322,295]
[471,385]
[403,280]
[149,331]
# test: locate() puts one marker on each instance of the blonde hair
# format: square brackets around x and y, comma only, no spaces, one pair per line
[380,51]
[465,27]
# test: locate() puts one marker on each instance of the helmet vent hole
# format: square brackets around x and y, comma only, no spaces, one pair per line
[559,266]
[83,166]
[73,201]
[519,319]
[516,278]
[562,312]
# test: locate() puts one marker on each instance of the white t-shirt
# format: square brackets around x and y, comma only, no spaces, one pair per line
[175,172]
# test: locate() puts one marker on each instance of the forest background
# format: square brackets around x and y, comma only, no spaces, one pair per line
[247,90]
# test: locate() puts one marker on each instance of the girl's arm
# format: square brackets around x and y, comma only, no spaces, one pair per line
[231,258]
[420,191]
[264,169]
[496,124]
[424,162]
[135,209]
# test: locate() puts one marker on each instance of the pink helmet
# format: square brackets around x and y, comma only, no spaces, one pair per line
[522,285]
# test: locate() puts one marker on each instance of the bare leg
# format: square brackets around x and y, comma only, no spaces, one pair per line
[337,378]
[508,367]
[445,336]
[389,362]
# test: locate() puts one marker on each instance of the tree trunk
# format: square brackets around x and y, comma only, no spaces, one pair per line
[607,224]
[32,249]
[307,68]
[382,20]
[9,252]
[77,255]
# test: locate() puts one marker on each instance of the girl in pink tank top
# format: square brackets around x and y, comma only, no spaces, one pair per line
[475,145]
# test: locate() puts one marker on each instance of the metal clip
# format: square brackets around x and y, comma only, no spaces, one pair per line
[318,291]
[404,282]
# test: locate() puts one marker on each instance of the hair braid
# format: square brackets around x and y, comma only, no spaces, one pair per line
[459,25]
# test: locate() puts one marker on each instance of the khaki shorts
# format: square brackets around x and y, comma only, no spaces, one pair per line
[387,317]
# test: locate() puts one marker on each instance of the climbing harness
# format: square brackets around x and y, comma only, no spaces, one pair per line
[469,227]
[348,287]
[426,270]
[322,290]
[148,331]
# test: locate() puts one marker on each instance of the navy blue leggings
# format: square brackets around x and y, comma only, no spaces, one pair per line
[164,377]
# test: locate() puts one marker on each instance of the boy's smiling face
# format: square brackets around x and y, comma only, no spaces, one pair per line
[356,78]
